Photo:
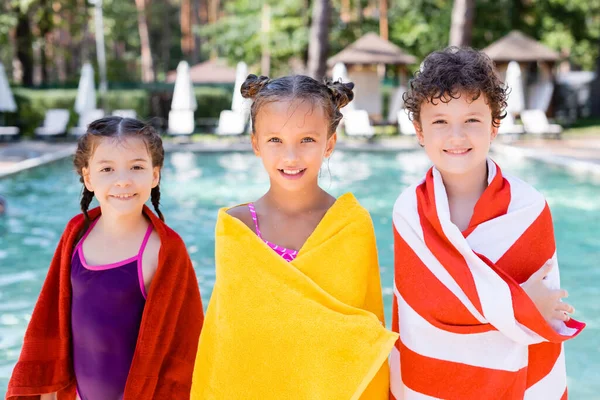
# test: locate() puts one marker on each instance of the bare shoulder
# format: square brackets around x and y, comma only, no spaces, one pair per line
[243,214]
[153,245]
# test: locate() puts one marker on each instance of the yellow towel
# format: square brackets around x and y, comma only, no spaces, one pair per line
[309,329]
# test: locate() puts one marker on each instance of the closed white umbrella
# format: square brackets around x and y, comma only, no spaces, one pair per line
[86,91]
[183,95]
[239,104]
[514,81]
[7,101]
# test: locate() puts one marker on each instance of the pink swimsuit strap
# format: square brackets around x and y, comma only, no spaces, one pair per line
[137,258]
[287,254]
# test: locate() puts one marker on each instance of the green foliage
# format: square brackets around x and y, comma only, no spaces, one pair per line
[420,26]
[571,27]
[238,35]
[212,100]
[32,104]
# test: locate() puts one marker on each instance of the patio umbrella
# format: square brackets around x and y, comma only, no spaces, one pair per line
[7,101]
[183,94]
[239,104]
[86,91]
[516,98]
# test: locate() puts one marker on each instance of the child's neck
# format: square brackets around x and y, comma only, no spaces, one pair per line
[116,225]
[295,203]
[463,191]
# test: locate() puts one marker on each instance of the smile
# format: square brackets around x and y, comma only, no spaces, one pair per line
[457,151]
[123,196]
[292,173]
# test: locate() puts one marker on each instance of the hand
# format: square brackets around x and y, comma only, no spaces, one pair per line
[548,301]
[48,396]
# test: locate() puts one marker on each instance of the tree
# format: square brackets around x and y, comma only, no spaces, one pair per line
[237,34]
[383,19]
[45,25]
[319,41]
[147,65]
[463,15]
[187,38]
[24,43]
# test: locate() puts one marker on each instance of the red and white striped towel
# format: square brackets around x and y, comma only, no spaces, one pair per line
[467,328]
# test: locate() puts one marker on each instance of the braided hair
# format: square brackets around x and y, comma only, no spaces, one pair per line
[113,127]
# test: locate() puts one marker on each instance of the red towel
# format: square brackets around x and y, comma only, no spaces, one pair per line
[164,357]
[467,328]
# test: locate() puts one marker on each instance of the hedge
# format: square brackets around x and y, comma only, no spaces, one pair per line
[32,104]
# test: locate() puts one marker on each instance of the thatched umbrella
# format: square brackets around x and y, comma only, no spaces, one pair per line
[211,71]
[362,59]
[536,62]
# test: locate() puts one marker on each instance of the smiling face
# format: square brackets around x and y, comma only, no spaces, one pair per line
[121,175]
[291,138]
[457,133]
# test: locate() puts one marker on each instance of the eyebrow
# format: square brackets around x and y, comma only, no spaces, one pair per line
[298,134]
[134,160]
[438,115]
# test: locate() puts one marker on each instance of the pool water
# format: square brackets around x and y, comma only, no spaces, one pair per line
[195,186]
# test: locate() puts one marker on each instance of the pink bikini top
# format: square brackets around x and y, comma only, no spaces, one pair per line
[287,254]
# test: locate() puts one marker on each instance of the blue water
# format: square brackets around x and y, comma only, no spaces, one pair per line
[195,186]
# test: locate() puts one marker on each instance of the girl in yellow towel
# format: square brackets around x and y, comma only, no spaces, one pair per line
[296,311]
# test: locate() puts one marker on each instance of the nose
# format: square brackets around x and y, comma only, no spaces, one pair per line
[123,179]
[457,131]
[291,154]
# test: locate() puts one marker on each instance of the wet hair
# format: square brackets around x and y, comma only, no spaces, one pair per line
[117,128]
[447,74]
[332,96]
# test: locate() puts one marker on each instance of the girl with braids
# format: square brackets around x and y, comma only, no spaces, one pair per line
[119,315]
[297,310]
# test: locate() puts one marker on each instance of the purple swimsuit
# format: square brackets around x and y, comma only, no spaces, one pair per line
[287,254]
[106,312]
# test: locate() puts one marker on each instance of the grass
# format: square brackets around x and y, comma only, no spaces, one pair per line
[584,127]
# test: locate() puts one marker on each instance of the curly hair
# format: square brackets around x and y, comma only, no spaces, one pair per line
[331,95]
[445,75]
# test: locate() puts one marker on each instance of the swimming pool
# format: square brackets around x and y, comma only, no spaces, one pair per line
[195,186]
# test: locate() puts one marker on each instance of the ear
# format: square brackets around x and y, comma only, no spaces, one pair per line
[86,179]
[419,131]
[330,145]
[255,144]
[155,177]
[495,129]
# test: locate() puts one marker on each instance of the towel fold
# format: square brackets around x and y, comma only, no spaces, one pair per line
[467,328]
[307,329]
[164,356]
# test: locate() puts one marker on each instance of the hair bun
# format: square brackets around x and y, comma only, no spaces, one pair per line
[341,93]
[252,85]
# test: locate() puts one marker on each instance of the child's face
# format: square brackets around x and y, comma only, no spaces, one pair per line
[456,134]
[291,138]
[121,175]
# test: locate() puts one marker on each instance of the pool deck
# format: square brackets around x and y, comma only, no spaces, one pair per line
[577,153]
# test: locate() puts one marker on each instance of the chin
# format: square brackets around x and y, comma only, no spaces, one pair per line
[125,210]
[461,168]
